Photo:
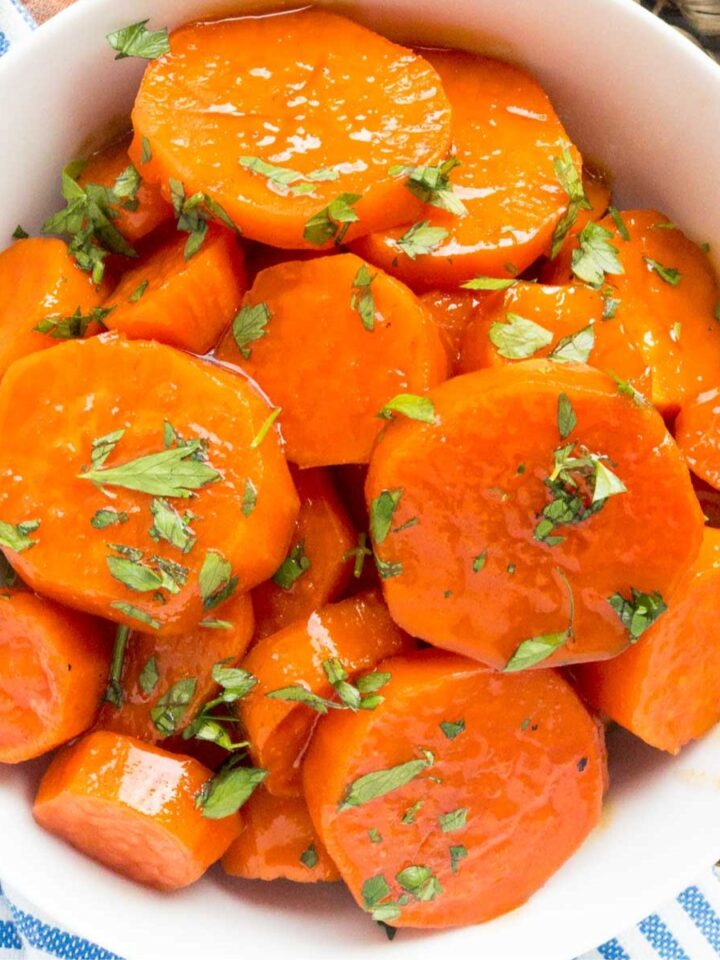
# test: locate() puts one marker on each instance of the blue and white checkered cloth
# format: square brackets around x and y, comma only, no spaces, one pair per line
[688,928]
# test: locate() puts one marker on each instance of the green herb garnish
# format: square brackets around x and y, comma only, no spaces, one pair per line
[114,691]
[432,185]
[228,790]
[571,182]
[216,580]
[137,41]
[333,221]
[410,405]
[421,238]
[72,327]
[293,567]
[16,537]
[250,325]
[107,517]
[171,526]
[639,612]
[670,275]
[265,428]
[149,677]
[382,510]
[381,782]
[596,255]
[519,338]
[362,297]
[576,347]
[285,180]
[536,649]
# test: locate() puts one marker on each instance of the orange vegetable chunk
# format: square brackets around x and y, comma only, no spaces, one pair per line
[212,516]
[532,512]
[184,303]
[506,137]
[278,841]
[276,137]
[453,313]
[167,660]
[150,209]
[316,569]
[697,431]
[53,669]
[358,632]
[597,193]
[39,279]
[666,687]
[333,391]
[485,768]
[132,807]
[668,296]
[572,314]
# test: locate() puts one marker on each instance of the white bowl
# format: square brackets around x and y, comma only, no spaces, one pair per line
[635,96]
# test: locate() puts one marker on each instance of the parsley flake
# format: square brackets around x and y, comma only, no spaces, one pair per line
[309,857]
[596,256]
[421,238]
[620,224]
[566,417]
[410,405]
[489,283]
[149,677]
[265,428]
[457,853]
[284,180]
[333,221]
[114,691]
[137,41]
[72,327]
[138,291]
[536,649]
[452,728]
[381,782]
[479,562]
[455,820]
[575,348]
[293,567]
[16,537]
[130,610]
[420,882]
[249,325]
[519,338]
[639,612]
[249,500]
[193,215]
[171,526]
[432,185]
[670,275]
[570,180]
[215,579]
[19,233]
[168,712]
[382,510]
[107,517]
[228,790]
[362,298]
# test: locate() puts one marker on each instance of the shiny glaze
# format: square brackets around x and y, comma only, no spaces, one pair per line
[529,768]
[276,832]
[666,688]
[460,477]
[306,91]
[96,386]
[358,631]
[697,431]
[53,671]
[132,807]
[330,420]
[39,279]
[325,530]
[505,135]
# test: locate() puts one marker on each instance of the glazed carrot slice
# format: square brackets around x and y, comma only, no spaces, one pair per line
[316,569]
[453,313]
[155,666]
[697,431]
[133,807]
[368,329]
[596,188]
[570,323]
[149,209]
[53,670]
[42,286]
[358,632]
[154,483]
[507,137]
[561,493]
[278,841]
[295,149]
[668,296]
[186,303]
[430,803]
[664,689]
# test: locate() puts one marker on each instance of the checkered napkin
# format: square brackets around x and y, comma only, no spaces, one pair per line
[688,928]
